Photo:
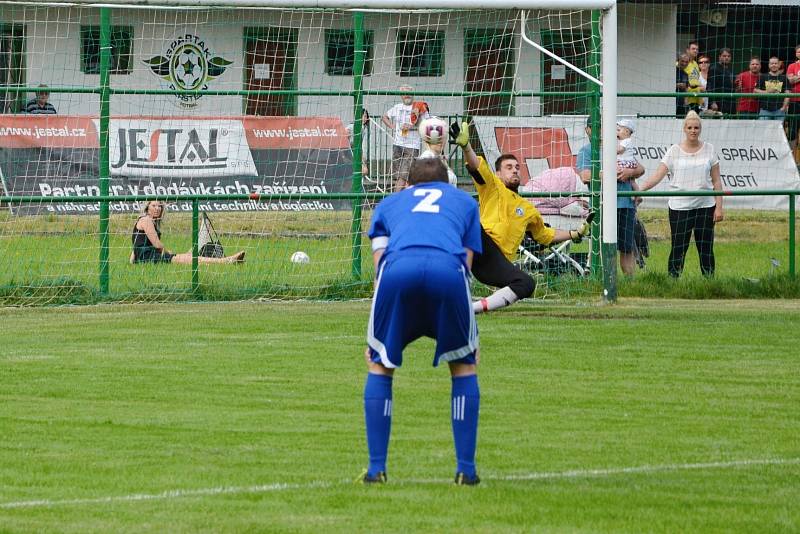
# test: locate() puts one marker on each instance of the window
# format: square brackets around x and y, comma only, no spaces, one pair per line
[12,66]
[121,48]
[340,52]
[419,53]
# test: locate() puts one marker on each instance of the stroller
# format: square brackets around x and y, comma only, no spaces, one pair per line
[564,213]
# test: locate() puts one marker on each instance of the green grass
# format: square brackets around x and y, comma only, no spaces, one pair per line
[52,260]
[101,404]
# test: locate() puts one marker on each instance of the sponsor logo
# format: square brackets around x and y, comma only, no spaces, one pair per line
[519,211]
[180,148]
[188,65]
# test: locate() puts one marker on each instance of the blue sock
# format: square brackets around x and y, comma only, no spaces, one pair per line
[378,415]
[466,400]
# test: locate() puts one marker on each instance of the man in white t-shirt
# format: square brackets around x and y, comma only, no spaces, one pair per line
[406,138]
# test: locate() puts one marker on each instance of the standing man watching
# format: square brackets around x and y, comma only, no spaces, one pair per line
[626,207]
[406,138]
[793,75]
[692,70]
[681,85]
[505,219]
[746,82]
[423,240]
[40,105]
[773,82]
[721,80]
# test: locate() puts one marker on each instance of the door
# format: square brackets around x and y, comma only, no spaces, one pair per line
[270,60]
[488,66]
[574,47]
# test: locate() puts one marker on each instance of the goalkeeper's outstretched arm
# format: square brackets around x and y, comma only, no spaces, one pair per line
[575,235]
[459,134]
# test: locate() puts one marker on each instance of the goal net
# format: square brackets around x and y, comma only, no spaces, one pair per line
[247,114]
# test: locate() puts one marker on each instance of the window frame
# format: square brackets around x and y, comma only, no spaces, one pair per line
[119,34]
[347,68]
[433,48]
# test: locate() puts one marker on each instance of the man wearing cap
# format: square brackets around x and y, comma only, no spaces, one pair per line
[40,105]
[626,209]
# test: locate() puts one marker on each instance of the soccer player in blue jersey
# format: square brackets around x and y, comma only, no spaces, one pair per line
[423,241]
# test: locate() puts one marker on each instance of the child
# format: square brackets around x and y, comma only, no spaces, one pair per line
[626,155]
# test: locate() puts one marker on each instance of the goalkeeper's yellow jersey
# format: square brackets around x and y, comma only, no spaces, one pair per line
[505,215]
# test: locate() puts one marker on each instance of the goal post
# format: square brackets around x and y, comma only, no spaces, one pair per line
[250,109]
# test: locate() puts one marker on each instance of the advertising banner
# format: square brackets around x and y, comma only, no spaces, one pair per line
[754,155]
[57,156]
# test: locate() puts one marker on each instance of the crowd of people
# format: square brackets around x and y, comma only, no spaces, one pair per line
[696,74]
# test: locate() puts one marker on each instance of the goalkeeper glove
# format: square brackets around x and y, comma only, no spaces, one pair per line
[460,134]
[578,235]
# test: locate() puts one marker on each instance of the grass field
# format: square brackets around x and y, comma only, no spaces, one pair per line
[54,260]
[647,416]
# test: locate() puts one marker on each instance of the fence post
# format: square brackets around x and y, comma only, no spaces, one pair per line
[195,242]
[792,237]
[104,175]
[357,186]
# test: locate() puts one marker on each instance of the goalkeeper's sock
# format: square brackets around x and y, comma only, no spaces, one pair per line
[378,415]
[466,399]
[499,299]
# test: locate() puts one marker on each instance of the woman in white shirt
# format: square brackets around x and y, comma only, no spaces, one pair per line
[693,166]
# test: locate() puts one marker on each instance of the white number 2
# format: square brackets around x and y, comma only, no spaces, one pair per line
[427,204]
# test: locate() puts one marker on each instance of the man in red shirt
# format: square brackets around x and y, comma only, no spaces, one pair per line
[746,82]
[793,74]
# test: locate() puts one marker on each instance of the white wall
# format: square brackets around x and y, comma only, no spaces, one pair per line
[646,44]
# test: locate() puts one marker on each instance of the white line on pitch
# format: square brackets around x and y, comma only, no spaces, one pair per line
[267,488]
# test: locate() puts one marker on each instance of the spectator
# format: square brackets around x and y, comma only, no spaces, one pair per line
[746,82]
[626,208]
[722,80]
[704,62]
[40,105]
[147,245]
[773,82]
[693,165]
[692,70]
[406,137]
[793,76]
[681,84]
[364,141]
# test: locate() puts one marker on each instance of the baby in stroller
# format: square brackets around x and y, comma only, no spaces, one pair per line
[566,213]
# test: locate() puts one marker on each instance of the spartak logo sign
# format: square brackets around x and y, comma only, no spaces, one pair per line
[188,66]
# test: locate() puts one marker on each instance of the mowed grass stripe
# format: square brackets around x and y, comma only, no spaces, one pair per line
[105,402]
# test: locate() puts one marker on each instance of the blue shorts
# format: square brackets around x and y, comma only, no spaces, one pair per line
[626,222]
[422,294]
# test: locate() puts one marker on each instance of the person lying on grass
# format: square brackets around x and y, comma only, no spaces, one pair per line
[147,245]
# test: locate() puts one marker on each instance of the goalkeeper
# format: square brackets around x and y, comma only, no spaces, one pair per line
[505,219]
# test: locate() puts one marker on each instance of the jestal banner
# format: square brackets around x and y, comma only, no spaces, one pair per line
[58,156]
[753,155]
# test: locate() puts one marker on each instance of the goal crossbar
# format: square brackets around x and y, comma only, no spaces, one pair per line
[348,4]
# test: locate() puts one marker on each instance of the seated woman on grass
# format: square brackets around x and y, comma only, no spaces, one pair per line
[147,245]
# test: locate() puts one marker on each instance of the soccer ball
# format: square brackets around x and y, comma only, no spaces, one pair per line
[433,130]
[300,257]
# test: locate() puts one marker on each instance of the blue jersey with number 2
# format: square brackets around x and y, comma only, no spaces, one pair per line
[422,283]
[430,215]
